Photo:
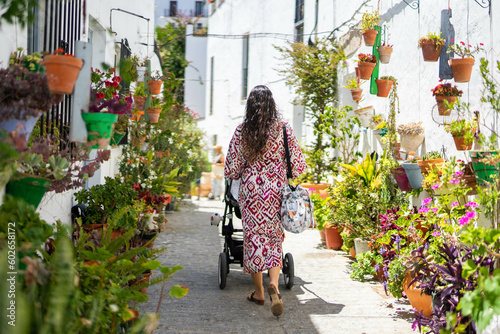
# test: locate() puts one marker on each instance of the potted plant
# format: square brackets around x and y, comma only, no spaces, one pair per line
[446,92]
[368,22]
[155,81]
[384,85]
[485,162]
[120,129]
[462,67]
[463,132]
[431,46]
[366,65]
[62,71]
[412,135]
[414,173]
[106,104]
[140,96]
[154,110]
[429,161]
[354,84]
[384,53]
[24,96]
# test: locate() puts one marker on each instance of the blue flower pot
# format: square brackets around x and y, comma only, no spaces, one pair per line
[414,174]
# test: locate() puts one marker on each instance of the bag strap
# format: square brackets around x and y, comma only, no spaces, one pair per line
[287,154]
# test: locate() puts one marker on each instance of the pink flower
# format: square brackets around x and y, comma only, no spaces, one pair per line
[462,43]
[451,40]
[481,44]
[454,181]
[435,210]
[470,214]
[464,220]
[459,173]
[423,210]
[434,187]
[471,205]
[427,201]
[436,234]
[454,204]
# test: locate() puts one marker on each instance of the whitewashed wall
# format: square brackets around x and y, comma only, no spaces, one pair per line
[405,25]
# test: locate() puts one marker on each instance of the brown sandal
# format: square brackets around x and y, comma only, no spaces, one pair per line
[276,302]
[256,301]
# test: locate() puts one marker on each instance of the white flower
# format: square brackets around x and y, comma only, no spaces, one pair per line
[114,308]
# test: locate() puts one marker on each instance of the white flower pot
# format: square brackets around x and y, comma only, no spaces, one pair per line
[411,142]
[364,115]
[141,71]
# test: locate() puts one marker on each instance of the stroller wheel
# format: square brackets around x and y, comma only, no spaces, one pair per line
[223,266]
[288,270]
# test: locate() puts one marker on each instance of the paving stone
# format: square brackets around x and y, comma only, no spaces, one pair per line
[323,300]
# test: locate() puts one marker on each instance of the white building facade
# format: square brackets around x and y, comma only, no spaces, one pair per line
[241,54]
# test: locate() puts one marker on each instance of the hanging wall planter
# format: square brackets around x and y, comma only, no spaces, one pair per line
[401,178]
[364,115]
[411,142]
[155,86]
[366,69]
[62,72]
[461,68]
[384,53]
[461,144]
[484,172]
[426,166]
[369,36]
[154,115]
[384,87]
[139,102]
[141,72]
[28,187]
[414,174]
[99,128]
[430,51]
[442,110]
[356,94]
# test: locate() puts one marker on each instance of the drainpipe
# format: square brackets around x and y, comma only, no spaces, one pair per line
[310,42]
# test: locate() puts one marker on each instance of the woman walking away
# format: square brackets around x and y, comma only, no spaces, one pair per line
[256,156]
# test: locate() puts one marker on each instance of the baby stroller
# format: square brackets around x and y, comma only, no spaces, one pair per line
[233,240]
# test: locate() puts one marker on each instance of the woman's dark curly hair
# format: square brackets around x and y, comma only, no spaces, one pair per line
[261,113]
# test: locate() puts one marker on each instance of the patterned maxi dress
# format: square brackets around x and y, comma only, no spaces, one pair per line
[260,195]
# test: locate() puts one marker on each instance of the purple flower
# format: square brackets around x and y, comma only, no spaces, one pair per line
[434,187]
[385,285]
[459,173]
[423,210]
[376,267]
[398,241]
[454,204]
[471,205]
[382,250]
[426,246]
[427,201]
[454,181]
[435,210]
[436,234]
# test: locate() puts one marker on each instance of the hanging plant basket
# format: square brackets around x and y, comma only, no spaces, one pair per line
[426,166]
[461,68]
[364,115]
[62,72]
[99,128]
[411,142]
[139,102]
[442,110]
[384,53]
[31,188]
[154,115]
[483,171]
[366,69]
[369,36]
[384,87]
[429,51]
[401,178]
[155,86]
[461,145]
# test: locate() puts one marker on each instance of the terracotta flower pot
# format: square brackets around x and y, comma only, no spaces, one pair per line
[384,53]
[384,87]
[369,36]
[461,145]
[333,238]
[418,300]
[426,166]
[352,252]
[356,94]
[461,68]
[139,102]
[154,115]
[365,69]
[429,51]
[443,111]
[322,235]
[62,72]
[155,86]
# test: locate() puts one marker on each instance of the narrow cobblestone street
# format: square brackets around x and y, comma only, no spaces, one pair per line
[323,300]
